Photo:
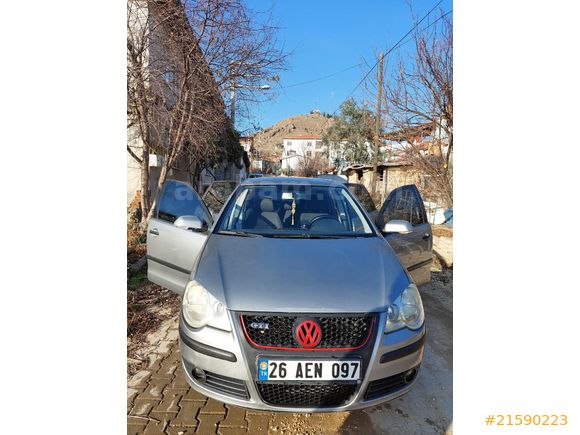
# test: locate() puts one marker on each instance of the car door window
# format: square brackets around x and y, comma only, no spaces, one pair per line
[405,204]
[417,214]
[363,196]
[217,194]
[179,199]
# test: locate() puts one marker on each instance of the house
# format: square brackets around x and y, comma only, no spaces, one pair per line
[256,162]
[296,148]
[247,143]
[225,170]
[406,155]
[255,158]
[390,175]
[338,155]
[153,29]
[427,139]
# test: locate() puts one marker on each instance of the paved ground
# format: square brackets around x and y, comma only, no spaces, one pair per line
[159,400]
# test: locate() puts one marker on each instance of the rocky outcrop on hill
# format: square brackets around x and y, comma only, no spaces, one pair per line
[269,141]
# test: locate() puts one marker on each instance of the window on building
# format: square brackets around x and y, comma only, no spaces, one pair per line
[309,144]
[308,153]
[291,153]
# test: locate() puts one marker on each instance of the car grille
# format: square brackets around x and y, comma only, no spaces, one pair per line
[386,386]
[225,385]
[314,394]
[338,332]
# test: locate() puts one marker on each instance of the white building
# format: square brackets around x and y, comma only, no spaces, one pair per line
[300,147]
[247,143]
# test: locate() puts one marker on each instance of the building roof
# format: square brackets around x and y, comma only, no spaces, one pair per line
[410,133]
[303,137]
[382,164]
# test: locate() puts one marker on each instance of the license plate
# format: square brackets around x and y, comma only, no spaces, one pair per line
[308,370]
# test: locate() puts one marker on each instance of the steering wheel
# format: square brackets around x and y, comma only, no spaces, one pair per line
[308,225]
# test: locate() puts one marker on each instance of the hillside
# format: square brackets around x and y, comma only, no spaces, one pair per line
[266,140]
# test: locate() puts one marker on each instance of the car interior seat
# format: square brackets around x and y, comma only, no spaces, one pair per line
[269,214]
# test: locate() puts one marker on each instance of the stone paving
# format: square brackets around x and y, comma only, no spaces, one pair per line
[160,401]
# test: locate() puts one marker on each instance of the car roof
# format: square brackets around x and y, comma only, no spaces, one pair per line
[223,182]
[288,181]
[332,177]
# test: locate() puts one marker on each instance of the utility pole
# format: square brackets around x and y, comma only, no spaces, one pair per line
[233,102]
[232,95]
[377,128]
[234,86]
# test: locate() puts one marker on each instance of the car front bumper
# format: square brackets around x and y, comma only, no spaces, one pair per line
[223,366]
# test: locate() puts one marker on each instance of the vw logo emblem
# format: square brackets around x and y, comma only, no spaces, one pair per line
[308,333]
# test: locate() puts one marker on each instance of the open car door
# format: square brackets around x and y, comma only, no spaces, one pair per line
[175,235]
[217,194]
[403,221]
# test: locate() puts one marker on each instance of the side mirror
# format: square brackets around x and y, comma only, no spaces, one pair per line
[398,226]
[190,223]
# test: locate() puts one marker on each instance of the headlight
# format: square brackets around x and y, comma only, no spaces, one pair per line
[406,311]
[200,308]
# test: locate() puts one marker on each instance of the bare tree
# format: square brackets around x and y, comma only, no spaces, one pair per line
[311,165]
[175,82]
[419,94]
[417,107]
[238,44]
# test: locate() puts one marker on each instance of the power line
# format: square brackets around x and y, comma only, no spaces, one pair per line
[358,64]
[321,78]
[426,27]
[386,54]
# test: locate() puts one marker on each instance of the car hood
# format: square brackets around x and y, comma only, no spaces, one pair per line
[301,275]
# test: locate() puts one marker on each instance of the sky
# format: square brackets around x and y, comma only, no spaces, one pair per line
[326,37]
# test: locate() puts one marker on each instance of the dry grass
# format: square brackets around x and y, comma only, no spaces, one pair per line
[442,230]
[148,305]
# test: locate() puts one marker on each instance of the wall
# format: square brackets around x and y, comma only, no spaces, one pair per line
[291,162]
[397,176]
[222,171]
[400,176]
[133,167]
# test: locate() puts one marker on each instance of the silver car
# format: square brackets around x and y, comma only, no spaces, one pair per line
[292,299]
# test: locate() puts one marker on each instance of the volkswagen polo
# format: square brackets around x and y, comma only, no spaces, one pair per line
[294,299]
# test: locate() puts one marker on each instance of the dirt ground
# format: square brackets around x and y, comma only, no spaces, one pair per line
[148,305]
[155,379]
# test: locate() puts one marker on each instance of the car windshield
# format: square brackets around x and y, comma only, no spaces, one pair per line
[301,211]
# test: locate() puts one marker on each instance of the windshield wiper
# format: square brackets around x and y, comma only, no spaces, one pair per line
[238,233]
